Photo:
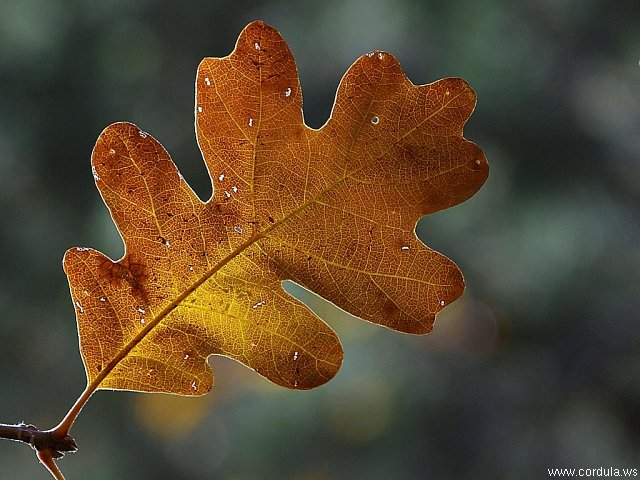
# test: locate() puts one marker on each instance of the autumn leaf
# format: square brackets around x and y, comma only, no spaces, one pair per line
[332,209]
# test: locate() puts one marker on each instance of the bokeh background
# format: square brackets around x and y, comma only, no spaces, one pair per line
[537,366]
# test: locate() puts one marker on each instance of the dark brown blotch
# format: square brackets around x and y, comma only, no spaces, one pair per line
[129,271]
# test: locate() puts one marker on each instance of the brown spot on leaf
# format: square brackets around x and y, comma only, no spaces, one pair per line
[390,309]
[127,271]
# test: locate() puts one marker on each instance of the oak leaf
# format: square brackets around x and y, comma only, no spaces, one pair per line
[332,209]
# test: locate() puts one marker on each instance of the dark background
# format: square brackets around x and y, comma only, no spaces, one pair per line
[535,367]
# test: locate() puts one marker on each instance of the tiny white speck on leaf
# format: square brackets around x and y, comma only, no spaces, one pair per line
[207,81]
[80,307]
[287,92]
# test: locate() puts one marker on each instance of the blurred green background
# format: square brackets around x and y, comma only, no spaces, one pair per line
[537,366]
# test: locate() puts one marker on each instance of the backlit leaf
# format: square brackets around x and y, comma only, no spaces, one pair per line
[332,209]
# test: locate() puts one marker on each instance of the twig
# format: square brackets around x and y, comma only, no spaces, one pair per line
[48,444]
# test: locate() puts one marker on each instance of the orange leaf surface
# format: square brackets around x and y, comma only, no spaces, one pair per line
[332,209]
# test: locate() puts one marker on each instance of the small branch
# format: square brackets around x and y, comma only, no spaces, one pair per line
[48,444]
[39,440]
